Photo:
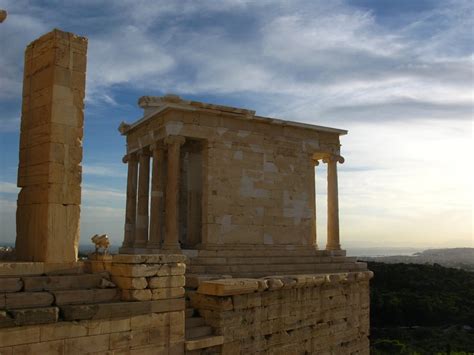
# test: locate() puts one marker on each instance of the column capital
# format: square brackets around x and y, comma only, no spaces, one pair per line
[315,161]
[171,140]
[157,145]
[129,157]
[333,158]
[145,151]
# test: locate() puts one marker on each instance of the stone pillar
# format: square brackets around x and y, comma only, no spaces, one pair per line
[171,240]
[141,230]
[157,196]
[50,171]
[131,206]
[314,234]
[333,242]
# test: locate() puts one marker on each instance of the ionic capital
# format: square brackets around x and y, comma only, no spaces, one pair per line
[129,157]
[172,140]
[144,152]
[333,158]
[157,146]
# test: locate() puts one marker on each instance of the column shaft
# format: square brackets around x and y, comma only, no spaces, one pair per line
[333,242]
[314,233]
[157,194]
[131,205]
[141,230]
[171,240]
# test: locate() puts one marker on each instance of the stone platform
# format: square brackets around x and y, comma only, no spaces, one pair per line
[259,262]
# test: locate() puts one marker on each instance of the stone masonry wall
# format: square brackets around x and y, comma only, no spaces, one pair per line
[49,171]
[128,304]
[302,314]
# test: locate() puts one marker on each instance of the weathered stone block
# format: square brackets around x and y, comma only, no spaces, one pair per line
[49,347]
[136,295]
[168,292]
[130,283]
[10,284]
[28,299]
[134,270]
[228,287]
[89,344]
[48,220]
[19,335]
[170,305]
[6,320]
[69,282]
[63,330]
[108,310]
[149,259]
[85,296]
[21,268]
[35,315]
[166,281]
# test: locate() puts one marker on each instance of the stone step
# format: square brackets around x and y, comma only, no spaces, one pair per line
[119,309]
[204,342]
[275,269]
[18,268]
[255,251]
[69,282]
[30,316]
[197,332]
[86,296]
[246,260]
[194,280]
[194,322]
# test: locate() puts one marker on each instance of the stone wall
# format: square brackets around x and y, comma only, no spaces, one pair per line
[152,333]
[299,314]
[131,305]
[49,171]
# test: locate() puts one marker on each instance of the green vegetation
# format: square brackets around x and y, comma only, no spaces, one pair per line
[421,309]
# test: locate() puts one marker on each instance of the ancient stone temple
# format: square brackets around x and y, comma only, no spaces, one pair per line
[220,253]
[225,181]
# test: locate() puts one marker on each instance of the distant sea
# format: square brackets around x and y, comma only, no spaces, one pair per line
[381,251]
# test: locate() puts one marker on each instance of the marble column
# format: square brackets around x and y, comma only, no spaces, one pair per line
[171,239]
[141,231]
[314,164]
[131,205]
[333,242]
[157,196]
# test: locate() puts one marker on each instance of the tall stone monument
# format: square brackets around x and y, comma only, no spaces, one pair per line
[50,171]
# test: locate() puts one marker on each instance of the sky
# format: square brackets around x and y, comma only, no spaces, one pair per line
[398,75]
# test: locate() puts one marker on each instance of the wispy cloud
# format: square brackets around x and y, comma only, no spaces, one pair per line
[8,188]
[104,170]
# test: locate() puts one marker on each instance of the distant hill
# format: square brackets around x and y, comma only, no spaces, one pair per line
[459,258]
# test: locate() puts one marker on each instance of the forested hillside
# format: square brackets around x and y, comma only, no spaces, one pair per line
[425,309]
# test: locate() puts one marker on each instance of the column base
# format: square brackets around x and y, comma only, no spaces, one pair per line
[153,245]
[139,244]
[173,248]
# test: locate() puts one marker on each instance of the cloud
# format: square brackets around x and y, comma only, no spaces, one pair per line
[8,188]
[104,170]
